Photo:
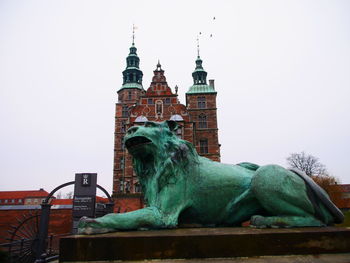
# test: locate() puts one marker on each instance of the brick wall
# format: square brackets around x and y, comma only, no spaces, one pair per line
[60,221]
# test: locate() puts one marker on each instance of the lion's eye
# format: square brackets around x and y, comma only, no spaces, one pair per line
[132,130]
[150,124]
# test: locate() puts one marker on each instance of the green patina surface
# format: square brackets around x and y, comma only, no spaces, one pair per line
[181,187]
[200,89]
[131,86]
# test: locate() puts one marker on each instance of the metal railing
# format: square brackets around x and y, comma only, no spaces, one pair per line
[23,251]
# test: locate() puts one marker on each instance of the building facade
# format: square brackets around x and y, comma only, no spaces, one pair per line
[32,197]
[197,119]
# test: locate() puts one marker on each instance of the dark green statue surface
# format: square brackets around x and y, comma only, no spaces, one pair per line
[181,187]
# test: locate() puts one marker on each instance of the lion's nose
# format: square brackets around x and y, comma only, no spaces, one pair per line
[132,130]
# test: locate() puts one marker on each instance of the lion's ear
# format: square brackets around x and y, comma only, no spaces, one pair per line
[173,126]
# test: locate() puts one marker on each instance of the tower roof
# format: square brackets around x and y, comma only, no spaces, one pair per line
[132,75]
[199,76]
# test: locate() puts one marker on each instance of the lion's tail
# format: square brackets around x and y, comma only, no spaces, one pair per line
[321,195]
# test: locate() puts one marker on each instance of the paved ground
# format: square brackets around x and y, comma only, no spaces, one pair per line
[324,258]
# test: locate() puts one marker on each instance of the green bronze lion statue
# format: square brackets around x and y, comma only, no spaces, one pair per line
[182,188]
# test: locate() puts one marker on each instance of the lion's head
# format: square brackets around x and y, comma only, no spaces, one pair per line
[156,149]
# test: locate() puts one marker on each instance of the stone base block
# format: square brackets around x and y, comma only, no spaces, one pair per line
[204,243]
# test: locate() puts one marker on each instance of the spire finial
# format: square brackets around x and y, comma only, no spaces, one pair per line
[198,44]
[159,67]
[133,33]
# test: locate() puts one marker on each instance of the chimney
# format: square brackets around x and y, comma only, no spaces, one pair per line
[211,83]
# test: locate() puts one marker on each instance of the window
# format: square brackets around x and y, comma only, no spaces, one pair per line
[123,127]
[13,201]
[121,185]
[202,121]
[201,102]
[121,165]
[159,107]
[203,146]
[129,95]
[122,143]
[19,200]
[125,111]
[6,201]
[127,187]
[167,101]
[150,101]
[137,188]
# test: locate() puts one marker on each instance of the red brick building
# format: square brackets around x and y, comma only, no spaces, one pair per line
[17,207]
[32,197]
[136,105]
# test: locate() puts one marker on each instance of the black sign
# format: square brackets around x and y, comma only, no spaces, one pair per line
[84,200]
[83,206]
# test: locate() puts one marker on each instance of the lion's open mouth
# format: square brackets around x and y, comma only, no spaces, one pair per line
[136,141]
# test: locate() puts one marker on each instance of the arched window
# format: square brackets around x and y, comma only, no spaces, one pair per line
[129,95]
[202,121]
[201,102]
[203,146]
[125,111]
[159,107]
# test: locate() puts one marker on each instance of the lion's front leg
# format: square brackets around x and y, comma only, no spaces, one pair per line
[149,217]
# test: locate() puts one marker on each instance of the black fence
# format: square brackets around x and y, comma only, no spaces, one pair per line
[24,250]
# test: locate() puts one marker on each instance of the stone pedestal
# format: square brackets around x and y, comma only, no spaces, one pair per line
[204,243]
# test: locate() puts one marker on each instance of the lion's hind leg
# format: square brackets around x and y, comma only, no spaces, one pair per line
[242,208]
[283,196]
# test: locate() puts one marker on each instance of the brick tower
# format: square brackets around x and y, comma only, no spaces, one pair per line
[197,121]
[201,106]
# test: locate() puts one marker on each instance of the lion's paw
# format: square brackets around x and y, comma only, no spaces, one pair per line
[90,226]
[258,222]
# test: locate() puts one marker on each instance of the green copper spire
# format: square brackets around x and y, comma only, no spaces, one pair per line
[132,75]
[200,79]
[199,75]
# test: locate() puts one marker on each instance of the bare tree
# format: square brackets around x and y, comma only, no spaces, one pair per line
[69,195]
[59,195]
[307,163]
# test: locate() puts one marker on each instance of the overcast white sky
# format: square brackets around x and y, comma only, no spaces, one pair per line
[281,69]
